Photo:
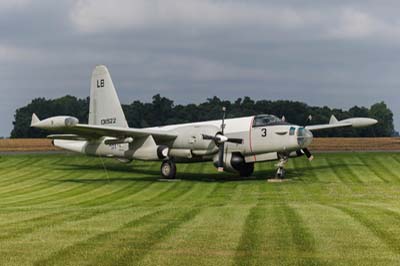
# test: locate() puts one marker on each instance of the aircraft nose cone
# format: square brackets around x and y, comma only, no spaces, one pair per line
[304,138]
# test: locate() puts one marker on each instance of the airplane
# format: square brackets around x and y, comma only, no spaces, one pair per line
[233,145]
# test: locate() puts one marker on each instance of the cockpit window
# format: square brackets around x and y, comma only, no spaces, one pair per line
[267,120]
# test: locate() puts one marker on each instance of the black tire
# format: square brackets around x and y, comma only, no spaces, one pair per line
[168,169]
[246,170]
[281,173]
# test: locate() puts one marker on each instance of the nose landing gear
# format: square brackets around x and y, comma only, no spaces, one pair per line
[281,172]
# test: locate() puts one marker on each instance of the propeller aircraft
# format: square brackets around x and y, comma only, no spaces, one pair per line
[233,145]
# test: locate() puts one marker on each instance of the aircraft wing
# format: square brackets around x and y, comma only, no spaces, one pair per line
[72,130]
[350,122]
[95,131]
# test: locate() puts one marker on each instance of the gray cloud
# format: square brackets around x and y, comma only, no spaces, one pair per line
[337,53]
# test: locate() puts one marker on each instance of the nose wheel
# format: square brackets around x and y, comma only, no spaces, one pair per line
[168,169]
[281,172]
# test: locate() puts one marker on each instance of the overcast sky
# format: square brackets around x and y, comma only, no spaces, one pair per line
[336,53]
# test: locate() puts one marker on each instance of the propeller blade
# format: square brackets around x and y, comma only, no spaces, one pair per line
[221,157]
[235,140]
[308,154]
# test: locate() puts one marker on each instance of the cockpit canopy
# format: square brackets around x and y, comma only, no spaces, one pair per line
[267,120]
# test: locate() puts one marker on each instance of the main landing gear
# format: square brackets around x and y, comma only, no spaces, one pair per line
[168,169]
[281,172]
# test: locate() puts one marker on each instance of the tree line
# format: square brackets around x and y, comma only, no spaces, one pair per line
[162,111]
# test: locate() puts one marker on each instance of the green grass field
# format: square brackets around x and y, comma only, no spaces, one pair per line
[341,209]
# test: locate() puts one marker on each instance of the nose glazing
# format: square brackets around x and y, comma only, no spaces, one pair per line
[304,137]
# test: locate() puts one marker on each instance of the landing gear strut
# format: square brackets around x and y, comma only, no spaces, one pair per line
[281,172]
[168,169]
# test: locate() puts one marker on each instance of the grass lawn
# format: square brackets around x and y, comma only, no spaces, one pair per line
[341,209]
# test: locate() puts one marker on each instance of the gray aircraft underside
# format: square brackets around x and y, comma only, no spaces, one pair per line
[232,144]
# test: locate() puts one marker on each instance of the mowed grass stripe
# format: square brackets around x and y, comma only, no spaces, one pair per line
[91,199]
[44,180]
[250,246]
[340,169]
[15,162]
[131,241]
[342,240]
[389,164]
[50,240]
[15,230]
[236,221]
[19,176]
[380,232]
[107,191]
[199,190]
[41,193]
[302,239]
[208,239]
[54,196]
[26,180]
[76,188]
[372,168]
[304,168]
[380,169]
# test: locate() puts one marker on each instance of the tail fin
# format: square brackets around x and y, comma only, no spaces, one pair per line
[34,120]
[333,120]
[105,108]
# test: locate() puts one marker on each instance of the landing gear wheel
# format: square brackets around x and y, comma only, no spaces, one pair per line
[168,169]
[246,170]
[281,172]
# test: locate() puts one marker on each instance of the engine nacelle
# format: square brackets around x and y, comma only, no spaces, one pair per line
[191,137]
[235,163]
[56,122]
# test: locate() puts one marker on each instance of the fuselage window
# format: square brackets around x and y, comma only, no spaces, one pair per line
[300,132]
[291,131]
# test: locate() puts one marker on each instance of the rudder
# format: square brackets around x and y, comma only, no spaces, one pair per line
[104,108]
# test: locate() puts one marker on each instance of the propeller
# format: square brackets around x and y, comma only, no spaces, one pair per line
[220,139]
[306,152]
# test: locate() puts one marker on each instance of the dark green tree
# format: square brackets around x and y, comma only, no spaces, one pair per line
[162,111]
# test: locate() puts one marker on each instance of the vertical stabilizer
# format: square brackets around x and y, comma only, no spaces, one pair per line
[34,120]
[333,120]
[105,108]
